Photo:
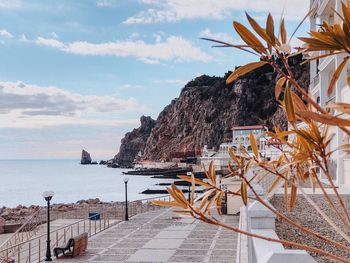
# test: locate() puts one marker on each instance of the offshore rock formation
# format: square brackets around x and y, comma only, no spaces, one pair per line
[85,157]
[207,109]
[134,143]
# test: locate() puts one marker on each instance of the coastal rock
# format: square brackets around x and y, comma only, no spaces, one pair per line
[85,157]
[133,143]
[207,109]
[90,201]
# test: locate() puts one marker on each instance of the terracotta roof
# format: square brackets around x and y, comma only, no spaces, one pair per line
[251,127]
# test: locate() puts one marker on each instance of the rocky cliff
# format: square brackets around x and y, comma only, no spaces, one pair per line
[134,142]
[206,110]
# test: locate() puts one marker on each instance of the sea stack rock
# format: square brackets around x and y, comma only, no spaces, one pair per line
[85,157]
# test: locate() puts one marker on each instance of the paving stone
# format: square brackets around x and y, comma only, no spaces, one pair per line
[225,246]
[156,237]
[111,258]
[154,255]
[189,252]
[163,243]
[186,259]
[117,251]
[218,259]
[173,234]
[199,246]
[223,252]
[198,240]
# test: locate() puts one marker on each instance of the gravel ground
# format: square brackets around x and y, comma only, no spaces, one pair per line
[305,214]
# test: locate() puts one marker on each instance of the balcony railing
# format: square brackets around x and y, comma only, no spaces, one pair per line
[315,81]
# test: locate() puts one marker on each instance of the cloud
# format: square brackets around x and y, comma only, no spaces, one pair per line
[54,35]
[172,48]
[105,3]
[5,33]
[216,35]
[10,3]
[176,10]
[22,38]
[51,42]
[31,106]
[178,82]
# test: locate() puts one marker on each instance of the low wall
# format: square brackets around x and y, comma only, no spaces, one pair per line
[257,219]
[2,224]
[11,228]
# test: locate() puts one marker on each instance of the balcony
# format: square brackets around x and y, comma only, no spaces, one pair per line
[315,81]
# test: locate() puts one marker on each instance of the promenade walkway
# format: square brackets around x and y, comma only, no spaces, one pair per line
[157,237]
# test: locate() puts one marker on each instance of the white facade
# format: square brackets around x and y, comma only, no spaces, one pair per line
[321,72]
[240,136]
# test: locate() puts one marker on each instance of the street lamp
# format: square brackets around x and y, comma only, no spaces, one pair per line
[126,179]
[48,196]
[189,188]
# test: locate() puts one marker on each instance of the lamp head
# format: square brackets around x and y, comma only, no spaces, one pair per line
[126,180]
[48,195]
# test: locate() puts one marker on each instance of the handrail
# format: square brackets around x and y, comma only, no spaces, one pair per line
[32,250]
[152,198]
[22,227]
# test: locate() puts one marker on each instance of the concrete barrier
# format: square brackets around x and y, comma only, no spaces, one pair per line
[261,221]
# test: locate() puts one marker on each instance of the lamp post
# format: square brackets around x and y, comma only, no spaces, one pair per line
[48,196]
[126,179]
[189,188]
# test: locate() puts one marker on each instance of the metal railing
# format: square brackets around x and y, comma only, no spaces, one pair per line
[28,229]
[33,249]
[266,180]
[315,81]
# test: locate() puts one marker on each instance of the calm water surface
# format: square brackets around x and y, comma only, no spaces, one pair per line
[23,181]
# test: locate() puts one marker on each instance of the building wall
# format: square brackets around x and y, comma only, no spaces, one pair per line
[320,74]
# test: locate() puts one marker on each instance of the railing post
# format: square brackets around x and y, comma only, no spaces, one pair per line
[29,251]
[39,254]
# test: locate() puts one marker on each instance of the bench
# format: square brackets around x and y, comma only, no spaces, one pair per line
[75,246]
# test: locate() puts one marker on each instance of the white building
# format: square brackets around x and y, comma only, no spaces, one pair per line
[240,136]
[321,72]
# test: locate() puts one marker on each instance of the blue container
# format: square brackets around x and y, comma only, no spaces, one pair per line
[94,216]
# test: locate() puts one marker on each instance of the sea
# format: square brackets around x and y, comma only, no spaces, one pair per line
[24,181]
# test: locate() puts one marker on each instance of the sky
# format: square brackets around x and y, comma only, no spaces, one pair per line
[79,74]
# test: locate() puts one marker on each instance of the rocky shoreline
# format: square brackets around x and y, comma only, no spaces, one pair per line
[22,213]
